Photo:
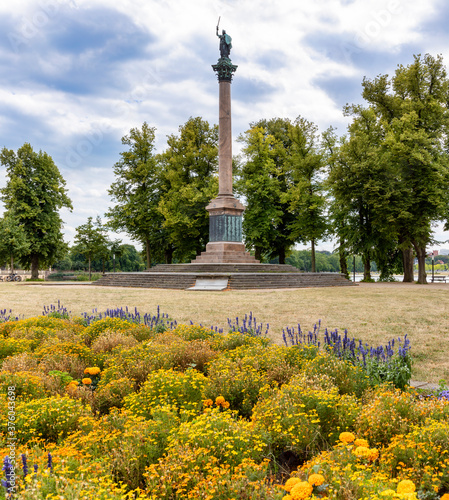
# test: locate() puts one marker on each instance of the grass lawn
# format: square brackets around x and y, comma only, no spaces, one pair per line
[375,313]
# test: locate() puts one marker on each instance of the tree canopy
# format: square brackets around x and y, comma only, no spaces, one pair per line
[33,195]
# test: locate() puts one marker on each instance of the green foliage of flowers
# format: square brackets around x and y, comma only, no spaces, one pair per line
[26,385]
[189,413]
[11,346]
[183,390]
[113,324]
[50,419]
[227,438]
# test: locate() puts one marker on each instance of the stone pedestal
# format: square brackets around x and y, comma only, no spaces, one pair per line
[225,211]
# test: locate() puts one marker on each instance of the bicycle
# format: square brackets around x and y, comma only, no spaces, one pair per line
[13,277]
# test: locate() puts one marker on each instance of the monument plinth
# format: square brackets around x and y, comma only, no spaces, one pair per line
[225,211]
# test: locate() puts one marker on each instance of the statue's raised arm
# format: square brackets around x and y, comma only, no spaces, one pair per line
[225,43]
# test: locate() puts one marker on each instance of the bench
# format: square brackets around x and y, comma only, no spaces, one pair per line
[439,278]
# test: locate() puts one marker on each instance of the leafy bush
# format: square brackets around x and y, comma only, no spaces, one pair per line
[168,387]
[229,439]
[112,394]
[51,419]
[27,385]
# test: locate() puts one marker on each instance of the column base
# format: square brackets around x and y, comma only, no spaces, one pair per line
[225,252]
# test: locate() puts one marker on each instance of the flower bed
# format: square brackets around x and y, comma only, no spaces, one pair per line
[121,405]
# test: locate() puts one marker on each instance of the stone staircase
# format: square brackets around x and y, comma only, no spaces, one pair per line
[252,276]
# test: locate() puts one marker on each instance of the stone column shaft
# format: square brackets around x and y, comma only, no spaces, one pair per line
[225,140]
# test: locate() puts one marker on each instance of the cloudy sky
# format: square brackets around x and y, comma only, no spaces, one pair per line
[77,75]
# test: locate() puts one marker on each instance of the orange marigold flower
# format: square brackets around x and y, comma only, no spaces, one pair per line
[94,370]
[287,497]
[86,381]
[316,479]
[225,404]
[291,482]
[373,454]
[219,400]
[301,490]
[406,486]
[361,442]
[347,437]
[208,402]
[361,452]
[445,497]
[86,371]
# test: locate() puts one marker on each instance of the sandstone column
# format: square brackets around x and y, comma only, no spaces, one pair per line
[225,212]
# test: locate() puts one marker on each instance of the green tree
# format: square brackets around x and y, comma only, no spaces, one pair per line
[91,241]
[307,197]
[411,110]
[136,192]
[263,174]
[188,171]
[13,242]
[34,194]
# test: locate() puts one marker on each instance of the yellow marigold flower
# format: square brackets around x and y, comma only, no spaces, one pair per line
[219,400]
[387,493]
[291,482]
[406,486]
[361,442]
[94,370]
[287,497]
[301,490]
[347,437]
[86,381]
[316,479]
[208,402]
[373,454]
[361,452]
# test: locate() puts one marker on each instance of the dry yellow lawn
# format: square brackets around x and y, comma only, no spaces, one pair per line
[374,312]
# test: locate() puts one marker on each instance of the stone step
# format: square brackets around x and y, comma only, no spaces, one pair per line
[236,281]
[224,268]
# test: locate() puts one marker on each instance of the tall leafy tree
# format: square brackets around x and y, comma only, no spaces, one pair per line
[188,171]
[13,240]
[411,108]
[263,174]
[34,194]
[307,197]
[136,192]
[91,241]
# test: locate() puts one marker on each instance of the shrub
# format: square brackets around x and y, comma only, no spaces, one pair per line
[12,346]
[422,454]
[386,413]
[237,382]
[227,438]
[168,387]
[107,341]
[348,378]
[111,394]
[193,473]
[50,419]
[27,385]
[93,331]
[193,332]
[281,417]
[24,362]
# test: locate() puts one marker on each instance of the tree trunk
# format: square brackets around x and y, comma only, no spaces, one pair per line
[421,255]
[282,255]
[407,262]
[34,267]
[258,253]
[366,267]
[343,261]
[12,264]
[90,270]
[313,256]
[147,248]
[168,254]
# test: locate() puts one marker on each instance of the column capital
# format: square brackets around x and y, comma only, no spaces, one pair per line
[224,69]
